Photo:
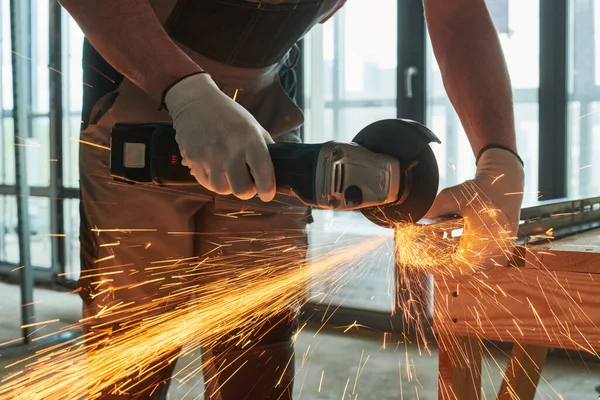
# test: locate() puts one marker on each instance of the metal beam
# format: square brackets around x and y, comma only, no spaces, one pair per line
[338,69]
[20,12]
[299,71]
[553,99]
[38,191]
[583,73]
[411,72]
[56,139]
[41,276]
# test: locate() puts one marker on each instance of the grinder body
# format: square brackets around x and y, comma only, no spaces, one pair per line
[373,174]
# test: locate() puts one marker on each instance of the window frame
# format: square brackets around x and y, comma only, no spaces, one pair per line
[552,97]
[56,192]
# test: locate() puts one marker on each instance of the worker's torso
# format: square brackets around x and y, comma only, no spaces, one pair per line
[243,45]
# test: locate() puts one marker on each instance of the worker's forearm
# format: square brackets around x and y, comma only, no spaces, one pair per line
[474,72]
[130,37]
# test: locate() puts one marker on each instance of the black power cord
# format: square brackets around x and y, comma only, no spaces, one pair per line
[287,73]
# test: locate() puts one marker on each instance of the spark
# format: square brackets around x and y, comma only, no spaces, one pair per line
[345,389]
[248,288]
[21,55]
[99,72]
[91,144]
[321,380]
[496,178]
[123,230]
[400,379]
[28,142]
[40,323]
[587,114]
[202,320]
[110,244]
[104,259]
[355,324]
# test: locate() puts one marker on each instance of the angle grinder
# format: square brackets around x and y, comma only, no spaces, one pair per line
[388,171]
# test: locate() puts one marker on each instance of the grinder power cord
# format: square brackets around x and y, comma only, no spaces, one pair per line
[388,172]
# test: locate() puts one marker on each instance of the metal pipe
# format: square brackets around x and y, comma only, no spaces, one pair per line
[19,13]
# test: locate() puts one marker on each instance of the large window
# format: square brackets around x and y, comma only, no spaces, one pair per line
[9,250]
[584,98]
[352,66]
[351,80]
[53,241]
[7,160]
[9,242]
[517,23]
[72,46]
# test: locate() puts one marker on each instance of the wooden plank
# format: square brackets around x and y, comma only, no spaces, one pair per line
[584,241]
[577,253]
[563,260]
[524,305]
[459,368]
[523,372]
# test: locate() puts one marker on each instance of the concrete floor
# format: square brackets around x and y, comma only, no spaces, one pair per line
[338,355]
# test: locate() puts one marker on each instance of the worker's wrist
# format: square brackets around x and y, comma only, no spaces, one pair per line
[497,161]
[185,88]
[489,147]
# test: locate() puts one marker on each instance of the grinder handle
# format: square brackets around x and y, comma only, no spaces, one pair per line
[295,167]
[295,164]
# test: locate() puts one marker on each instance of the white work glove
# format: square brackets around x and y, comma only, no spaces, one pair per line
[220,141]
[490,205]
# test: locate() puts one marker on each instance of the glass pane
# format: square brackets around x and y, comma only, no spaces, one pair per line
[368,56]
[38,152]
[518,29]
[318,65]
[9,242]
[6,92]
[72,45]
[40,232]
[584,147]
[318,125]
[370,290]
[328,57]
[38,140]
[71,229]
[353,119]
[345,63]
[350,82]
[71,128]
[7,171]
[40,57]
[527,125]
[7,152]
[584,98]
[596,14]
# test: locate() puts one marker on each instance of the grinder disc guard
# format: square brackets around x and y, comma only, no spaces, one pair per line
[407,141]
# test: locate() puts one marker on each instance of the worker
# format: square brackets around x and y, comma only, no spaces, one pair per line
[213,68]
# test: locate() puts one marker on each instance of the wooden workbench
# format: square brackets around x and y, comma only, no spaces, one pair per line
[552,299]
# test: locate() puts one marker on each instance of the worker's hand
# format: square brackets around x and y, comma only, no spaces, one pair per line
[220,141]
[490,205]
